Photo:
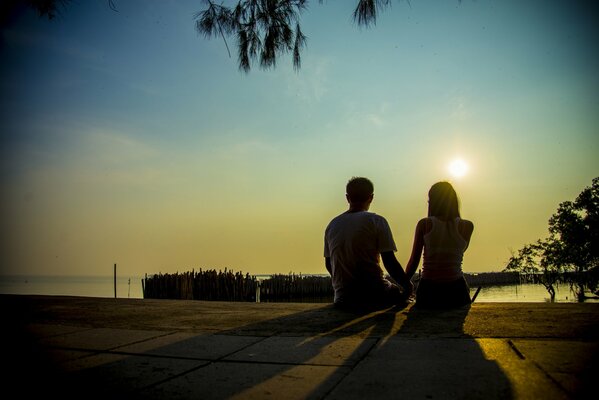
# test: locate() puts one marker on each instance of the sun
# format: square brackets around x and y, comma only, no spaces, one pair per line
[458,168]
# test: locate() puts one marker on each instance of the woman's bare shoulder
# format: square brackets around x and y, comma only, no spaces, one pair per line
[424,222]
[424,225]
[466,227]
[467,223]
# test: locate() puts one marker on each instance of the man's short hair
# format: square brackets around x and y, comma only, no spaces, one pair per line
[359,189]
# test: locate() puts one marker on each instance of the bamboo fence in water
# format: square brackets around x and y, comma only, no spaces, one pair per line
[229,286]
[236,286]
[296,287]
[201,285]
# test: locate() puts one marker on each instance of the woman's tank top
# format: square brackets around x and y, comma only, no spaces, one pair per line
[443,251]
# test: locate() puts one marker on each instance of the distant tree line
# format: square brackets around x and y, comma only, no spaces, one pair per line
[570,254]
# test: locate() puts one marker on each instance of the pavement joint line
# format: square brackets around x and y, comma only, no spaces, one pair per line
[538,366]
[170,378]
[79,330]
[551,378]
[125,353]
[208,360]
[92,353]
[109,350]
[346,373]
[347,368]
[243,348]
[516,350]
[352,367]
[281,363]
[114,350]
[141,341]
[95,352]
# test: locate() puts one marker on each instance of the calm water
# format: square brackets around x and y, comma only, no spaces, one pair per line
[130,287]
[87,286]
[526,293]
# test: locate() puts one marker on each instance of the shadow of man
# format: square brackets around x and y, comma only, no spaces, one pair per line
[321,352]
[297,355]
[304,355]
[428,356]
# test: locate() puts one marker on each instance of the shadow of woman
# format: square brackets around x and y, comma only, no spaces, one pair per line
[428,357]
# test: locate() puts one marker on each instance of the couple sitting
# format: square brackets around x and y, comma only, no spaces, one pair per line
[357,240]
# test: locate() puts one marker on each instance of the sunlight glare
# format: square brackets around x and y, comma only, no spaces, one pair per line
[458,168]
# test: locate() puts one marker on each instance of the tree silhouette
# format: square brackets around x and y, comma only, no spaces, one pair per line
[44,8]
[533,260]
[571,252]
[266,29]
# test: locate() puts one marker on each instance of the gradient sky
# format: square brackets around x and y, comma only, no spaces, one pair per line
[128,138]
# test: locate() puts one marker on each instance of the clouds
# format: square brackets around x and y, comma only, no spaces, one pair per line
[310,84]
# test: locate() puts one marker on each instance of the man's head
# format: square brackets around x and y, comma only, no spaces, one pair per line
[359,191]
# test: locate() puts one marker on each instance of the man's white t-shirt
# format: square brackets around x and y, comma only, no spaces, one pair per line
[354,241]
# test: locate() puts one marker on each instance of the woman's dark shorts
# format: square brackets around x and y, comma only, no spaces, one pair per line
[431,294]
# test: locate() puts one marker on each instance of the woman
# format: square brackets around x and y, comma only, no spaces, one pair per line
[444,237]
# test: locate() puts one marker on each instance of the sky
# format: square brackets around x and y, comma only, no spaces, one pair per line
[127,138]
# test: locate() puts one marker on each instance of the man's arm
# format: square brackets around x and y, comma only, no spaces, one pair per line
[396,271]
[327,263]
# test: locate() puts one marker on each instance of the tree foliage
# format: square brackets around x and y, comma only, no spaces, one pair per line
[264,29]
[574,227]
[44,8]
[532,260]
[267,29]
[571,251]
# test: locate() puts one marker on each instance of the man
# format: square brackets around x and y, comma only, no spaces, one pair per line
[354,244]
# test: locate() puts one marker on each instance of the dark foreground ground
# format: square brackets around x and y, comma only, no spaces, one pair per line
[80,347]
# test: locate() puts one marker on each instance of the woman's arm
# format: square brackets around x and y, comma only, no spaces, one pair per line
[417,247]
[465,229]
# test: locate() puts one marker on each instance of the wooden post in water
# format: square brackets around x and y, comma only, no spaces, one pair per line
[257,291]
[115,281]
[476,294]
[143,286]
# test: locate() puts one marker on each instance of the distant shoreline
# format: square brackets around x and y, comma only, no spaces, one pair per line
[130,287]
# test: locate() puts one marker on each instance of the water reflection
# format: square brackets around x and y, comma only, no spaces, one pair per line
[525,293]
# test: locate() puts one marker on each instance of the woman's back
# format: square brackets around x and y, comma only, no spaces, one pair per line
[444,244]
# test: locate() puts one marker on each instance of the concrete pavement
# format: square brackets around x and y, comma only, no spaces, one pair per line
[177,349]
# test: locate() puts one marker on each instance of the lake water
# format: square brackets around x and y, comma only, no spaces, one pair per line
[86,286]
[130,287]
